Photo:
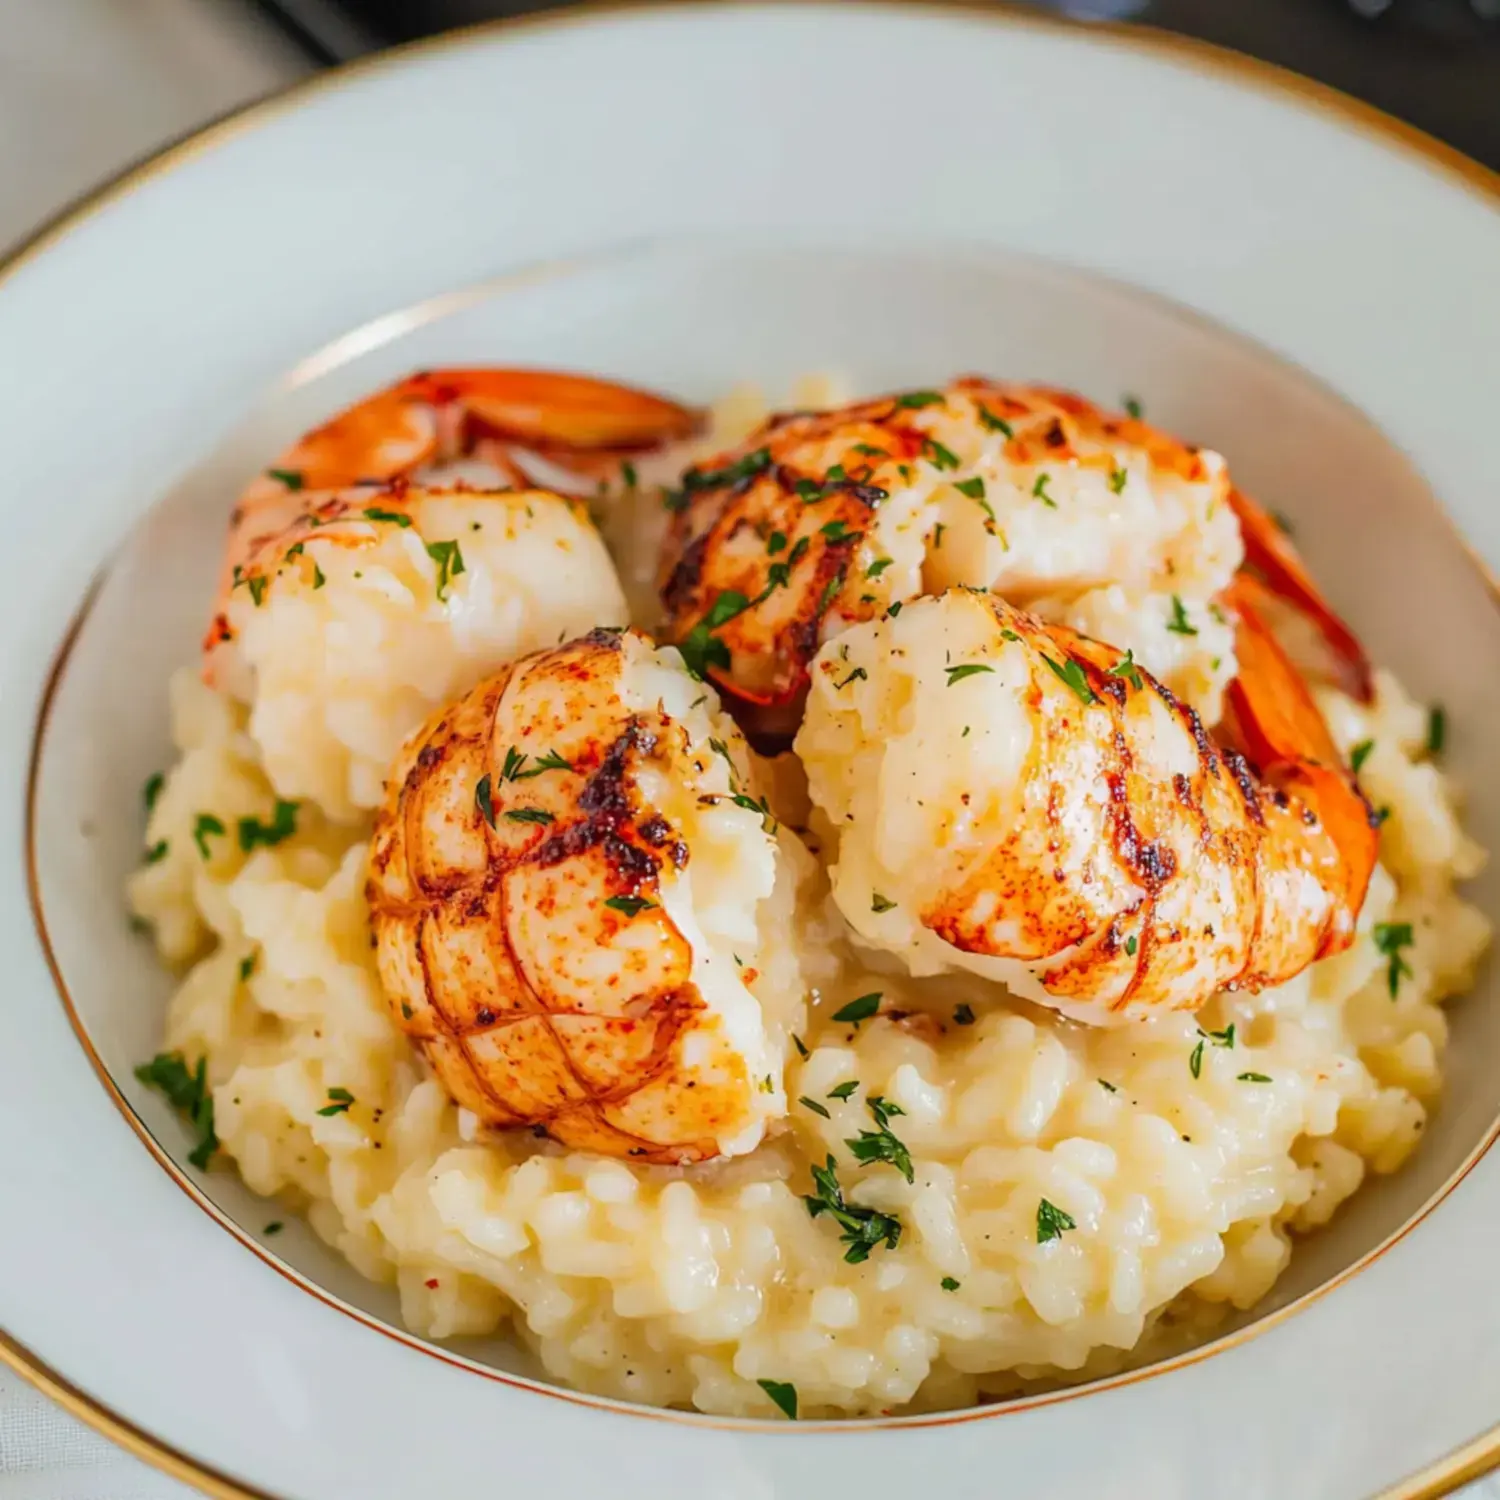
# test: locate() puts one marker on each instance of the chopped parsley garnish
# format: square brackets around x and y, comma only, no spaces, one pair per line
[893,610]
[1437,729]
[318,579]
[1039,490]
[815,1107]
[800,1045]
[863,1228]
[1127,669]
[937,455]
[551,761]
[1390,939]
[257,587]
[883,1109]
[844,1090]
[152,790]
[631,906]
[339,1102]
[878,567]
[832,587]
[1104,1083]
[711,479]
[1252,1078]
[775,543]
[291,478]
[450,563]
[914,400]
[274,1227]
[879,903]
[855,676]
[837,531]
[992,422]
[767,819]
[859,1010]
[878,1145]
[1223,1038]
[283,824]
[973,488]
[968,669]
[247,967]
[783,1393]
[1195,1059]
[937,535]
[1131,945]
[1070,673]
[1051,1222]
[724,608]
[870,452]
[1133,406]
[627,473]
[1381,814]
[406,1011]
[376,513]
[530,815]
[157,852]
[963,1015]
[514,760]
[1360,754]
[206,826]
[187,1092]
[1117,478]
[484,801]
[948,1284]
[1179,624]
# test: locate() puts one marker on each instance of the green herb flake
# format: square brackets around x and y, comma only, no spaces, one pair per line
[484,799]
[206,826]
[631,906]
[1252,1078]
[1437,729]
[878,567]
[1179,624]
[628,474]
[859,1010]
[1072,675]
[937,455]
[274,1227]
[1359,755]
[800,1045]
[893,610]
[844,1090]
[879,903]
[968,669]
[257,587]
[775,543]
[450,563]
[1390,939]
[992,423]
[1132,406]
[551,761]
[247,967]
[290,478]
[948,1284]
[963,1015]
[863,1228]
[712,479]
[937,535]
[1195,1059]
[1104,1083]
[915,400]
[530,815]
[339,1101]
[815,1107]
[1051,1222]
[837,531]
[870,452]
[253,833]
[157,852]
[152,790]
[783,1393]
[1127,669]
[973,488]
[1131,945]
[318,579]
[1117,478]
[872,1146]
[398,517]
[189,1093]
[1039,490]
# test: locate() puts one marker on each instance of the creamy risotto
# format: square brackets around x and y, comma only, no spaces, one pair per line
[972,1195]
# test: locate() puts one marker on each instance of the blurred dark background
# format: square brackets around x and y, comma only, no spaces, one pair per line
[1434,63]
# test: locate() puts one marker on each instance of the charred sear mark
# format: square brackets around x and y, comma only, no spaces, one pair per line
[1152,862]
[686,577]
[1244,778]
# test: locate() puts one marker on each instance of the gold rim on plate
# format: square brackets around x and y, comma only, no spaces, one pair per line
[1443,1476]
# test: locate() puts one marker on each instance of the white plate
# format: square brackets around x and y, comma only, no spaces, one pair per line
[683,197]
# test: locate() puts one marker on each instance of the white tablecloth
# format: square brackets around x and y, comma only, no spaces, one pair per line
[86,86]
